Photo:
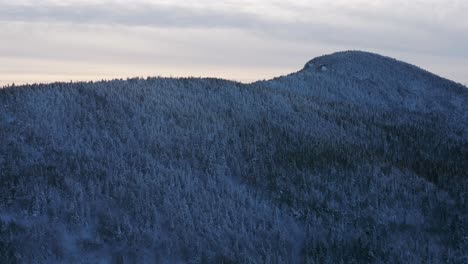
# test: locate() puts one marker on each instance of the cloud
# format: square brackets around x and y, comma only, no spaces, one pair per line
[130,15]
[205,33]
[415,28]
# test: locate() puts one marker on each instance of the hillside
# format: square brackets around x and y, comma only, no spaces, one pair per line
[356,158]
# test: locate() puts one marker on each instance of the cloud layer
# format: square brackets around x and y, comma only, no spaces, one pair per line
[265,36]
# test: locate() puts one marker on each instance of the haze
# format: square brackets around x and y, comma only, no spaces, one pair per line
[45,41]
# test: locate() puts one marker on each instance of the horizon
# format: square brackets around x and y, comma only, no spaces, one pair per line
[61,41]
[249,81]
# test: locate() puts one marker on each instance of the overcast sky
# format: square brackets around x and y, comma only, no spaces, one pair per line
[43,41]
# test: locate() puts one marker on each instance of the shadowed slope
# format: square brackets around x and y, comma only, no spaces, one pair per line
[355,158]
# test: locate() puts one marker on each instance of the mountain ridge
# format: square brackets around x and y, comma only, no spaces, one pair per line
[317,60]
[341,163]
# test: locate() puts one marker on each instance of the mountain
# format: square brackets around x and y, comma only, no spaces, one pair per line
[356,158]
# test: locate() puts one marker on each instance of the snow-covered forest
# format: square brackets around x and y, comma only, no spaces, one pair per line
[357,158]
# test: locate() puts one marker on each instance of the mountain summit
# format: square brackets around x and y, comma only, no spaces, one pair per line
[377,80]
[356,158]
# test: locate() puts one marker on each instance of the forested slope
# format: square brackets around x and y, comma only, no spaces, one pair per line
[356,158]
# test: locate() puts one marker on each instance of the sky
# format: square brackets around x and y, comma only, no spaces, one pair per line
[71,40]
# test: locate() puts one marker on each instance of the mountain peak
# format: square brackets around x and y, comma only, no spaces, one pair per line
[368,66]
[348,59]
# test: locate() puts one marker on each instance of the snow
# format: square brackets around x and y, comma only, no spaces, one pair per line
[355,158]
